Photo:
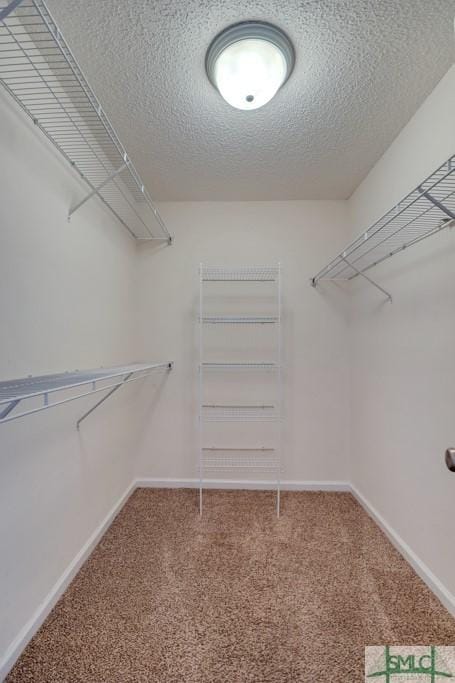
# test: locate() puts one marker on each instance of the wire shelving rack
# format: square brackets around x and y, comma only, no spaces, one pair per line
[239,413]
[240,320]
[46,391]
[422,213]
[40,72]
[240,459]
[240,274]
[240,366]
[260,458]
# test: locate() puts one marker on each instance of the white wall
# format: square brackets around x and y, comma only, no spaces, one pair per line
[302,236]
[80,294]
[66,302]
[402,355]
[69,300]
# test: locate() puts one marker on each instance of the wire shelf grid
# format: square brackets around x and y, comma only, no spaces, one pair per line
[238,458]
[240,320]
[239,366]
[14,391]
[40,72]
[425,211]
[238,413]
[239,274]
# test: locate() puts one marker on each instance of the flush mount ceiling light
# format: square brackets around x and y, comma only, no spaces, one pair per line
[249,62]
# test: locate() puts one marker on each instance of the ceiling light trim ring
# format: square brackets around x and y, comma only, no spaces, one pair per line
[256,30]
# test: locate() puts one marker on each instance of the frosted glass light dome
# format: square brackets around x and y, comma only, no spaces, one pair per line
[249,62]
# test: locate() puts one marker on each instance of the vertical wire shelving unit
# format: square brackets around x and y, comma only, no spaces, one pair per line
[261,458]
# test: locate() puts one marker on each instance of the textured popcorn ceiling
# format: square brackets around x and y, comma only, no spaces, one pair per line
[363,68]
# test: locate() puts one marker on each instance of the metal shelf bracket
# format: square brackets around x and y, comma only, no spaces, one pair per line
[9,8]
[126,378]
[6,411]
[368,279]
[437,203]
[96,190]
[98,403]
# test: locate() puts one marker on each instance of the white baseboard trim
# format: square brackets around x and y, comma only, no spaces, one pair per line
[434,584]
[266,485]
[31,627]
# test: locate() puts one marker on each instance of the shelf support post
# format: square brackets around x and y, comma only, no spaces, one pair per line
[109,393]
[368,279]
[9,8]
[437,203]
[96,190]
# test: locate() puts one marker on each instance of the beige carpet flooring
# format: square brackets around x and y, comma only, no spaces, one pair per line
[237,597]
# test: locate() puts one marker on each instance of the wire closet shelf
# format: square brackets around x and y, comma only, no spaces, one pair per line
[424,212]
[39,71]
[43,390]
[240,366]
[239,320]
[260,458]
[239,413]
[240,274]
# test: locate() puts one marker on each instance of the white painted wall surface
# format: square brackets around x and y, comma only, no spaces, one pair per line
[80,294]
[70,300]
[302,236]
[66,302]
[402,355]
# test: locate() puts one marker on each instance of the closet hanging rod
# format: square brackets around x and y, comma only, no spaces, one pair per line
[40,72]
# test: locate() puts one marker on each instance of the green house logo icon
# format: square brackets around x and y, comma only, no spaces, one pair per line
[409,665]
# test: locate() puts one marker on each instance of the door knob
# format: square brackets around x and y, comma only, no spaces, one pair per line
[450,459]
